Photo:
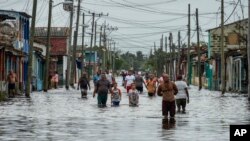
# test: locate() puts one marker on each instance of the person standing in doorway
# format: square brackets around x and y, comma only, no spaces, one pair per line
[183,96]
[129,79]
[84,85]
[11,79]
[102,88]
[55,79]
[167,90]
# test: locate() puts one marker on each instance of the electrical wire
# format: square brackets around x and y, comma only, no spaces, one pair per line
[232,11]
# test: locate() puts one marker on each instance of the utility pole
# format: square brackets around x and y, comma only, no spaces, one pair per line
[222,50]
[110,52]
[179,53]
[69,51]
[113,70]
[108,63]
[171,64]
[27,92]
[95,51]
[166,50]
[101,50]
[198,45]
[188,54]
[248,50]
[83,32]
[105,46]
[156,58]
[161,61]
[174,59]
[161,42]
[100,40]
[91,43]
[73,63]
[46,79]
[166,44]
[95,34]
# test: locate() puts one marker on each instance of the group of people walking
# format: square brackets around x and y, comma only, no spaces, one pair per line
[174,94]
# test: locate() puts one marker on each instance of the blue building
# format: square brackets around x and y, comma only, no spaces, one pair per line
[14,45]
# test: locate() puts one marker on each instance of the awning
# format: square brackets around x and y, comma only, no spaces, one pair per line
[15,52]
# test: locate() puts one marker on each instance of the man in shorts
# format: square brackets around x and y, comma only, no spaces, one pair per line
[11,79]
[167,90]
[139,82]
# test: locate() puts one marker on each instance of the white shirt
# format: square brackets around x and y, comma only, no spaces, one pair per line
[181,85]
[130,79]
[109,78]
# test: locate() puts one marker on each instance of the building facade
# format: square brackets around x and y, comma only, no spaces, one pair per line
[235,56]
[14,46]
[58,51]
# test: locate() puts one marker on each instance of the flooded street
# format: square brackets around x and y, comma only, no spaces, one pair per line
[63,115]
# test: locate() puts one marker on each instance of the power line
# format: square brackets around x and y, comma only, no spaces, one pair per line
[232,11]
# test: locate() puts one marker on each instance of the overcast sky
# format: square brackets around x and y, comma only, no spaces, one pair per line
[140,22]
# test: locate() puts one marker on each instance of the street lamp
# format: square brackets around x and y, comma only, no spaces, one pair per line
[68,6]
[104,58]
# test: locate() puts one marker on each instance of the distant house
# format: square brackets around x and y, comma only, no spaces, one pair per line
[38,64]
[14,45]
[58,51]
[91,62]
[235,55]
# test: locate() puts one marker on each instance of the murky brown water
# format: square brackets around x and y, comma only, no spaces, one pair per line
[63,115]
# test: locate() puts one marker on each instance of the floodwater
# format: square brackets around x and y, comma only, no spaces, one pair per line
[63,115]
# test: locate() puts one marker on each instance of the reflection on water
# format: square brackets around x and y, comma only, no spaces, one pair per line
[168,123]
[63,115]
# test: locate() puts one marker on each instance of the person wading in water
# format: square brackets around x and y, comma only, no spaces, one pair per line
[182,97]
[116,96]
[129,79]
[102,88]
[133,96]
[83,82]
[139,82]
[151,86]
[168,90]
[11,79]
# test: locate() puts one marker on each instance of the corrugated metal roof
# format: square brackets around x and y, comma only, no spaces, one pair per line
[55,31]
[239,21]
[4,12]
